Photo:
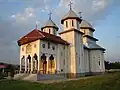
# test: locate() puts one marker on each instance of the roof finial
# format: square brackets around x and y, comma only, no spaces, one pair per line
[50,15]
[70,4]
[36,26]
[80,14]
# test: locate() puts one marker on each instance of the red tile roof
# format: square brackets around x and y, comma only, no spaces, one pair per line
[37,34]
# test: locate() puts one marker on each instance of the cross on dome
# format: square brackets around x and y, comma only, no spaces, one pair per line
[80,14]
[70,4]
[50,15]
[36,26]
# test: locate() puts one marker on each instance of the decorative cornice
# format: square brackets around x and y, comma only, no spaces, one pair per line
[71,30]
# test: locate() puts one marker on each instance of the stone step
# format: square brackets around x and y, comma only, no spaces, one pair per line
[49,77]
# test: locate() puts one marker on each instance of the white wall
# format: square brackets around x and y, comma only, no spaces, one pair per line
[69,21]
[95,57]
[86,40]
[60,54]
[87,32]
[33,50]
[86,60]
[79,57]
[52,30]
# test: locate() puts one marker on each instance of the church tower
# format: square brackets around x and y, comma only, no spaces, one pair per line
[72,34]
[50,27]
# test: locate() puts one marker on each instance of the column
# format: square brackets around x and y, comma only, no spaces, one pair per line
[47,64]
[32,65]
[28,63]
[38,65]
[20,65]
[25,64]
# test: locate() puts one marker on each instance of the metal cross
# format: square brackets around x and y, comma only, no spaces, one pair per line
[80,14]
[70,4]
[50,15]
[36,26]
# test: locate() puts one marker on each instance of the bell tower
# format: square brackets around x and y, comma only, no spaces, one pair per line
[73,35]
[70,20]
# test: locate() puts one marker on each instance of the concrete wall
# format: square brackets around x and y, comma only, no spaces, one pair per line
[97,61]
[87,32]
[79,54]
[34,49]
[69,21]
[52,30]
[86,39]
[86,60]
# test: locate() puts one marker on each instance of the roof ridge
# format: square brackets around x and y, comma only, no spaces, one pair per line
[40,32]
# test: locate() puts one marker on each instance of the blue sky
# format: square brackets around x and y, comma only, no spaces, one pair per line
[18,17]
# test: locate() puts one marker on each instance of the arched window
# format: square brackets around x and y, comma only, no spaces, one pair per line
[43,45]
[72,23]
[66,24]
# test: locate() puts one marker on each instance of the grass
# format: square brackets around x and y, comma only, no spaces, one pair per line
[103,82]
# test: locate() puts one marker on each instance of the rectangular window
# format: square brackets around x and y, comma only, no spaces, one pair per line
[64,62]
[99,63]
[72,23]
[66,24]
[49,30]
[48,45]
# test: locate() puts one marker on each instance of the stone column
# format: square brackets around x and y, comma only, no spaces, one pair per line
[28,63]
[32,64]
[38,65]
[47,65]
[25,64]
[20,65]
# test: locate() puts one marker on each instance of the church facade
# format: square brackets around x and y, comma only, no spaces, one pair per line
[73,53]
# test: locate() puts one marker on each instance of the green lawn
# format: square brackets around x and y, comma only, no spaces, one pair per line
[102,82]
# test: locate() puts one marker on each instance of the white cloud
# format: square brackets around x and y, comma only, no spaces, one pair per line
[89,8]
[98,5]
[28,14]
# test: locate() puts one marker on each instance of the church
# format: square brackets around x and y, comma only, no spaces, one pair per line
[73,53]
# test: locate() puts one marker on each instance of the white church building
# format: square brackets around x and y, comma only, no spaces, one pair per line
[73,53]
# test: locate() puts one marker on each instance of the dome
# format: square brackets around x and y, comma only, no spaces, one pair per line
[50,23]
[85,24]
[70,15]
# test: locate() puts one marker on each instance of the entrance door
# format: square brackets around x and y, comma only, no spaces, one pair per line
[44,67]
[43,64]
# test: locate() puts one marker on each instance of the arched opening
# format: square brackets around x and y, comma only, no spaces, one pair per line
[29,63]
[43,64]
[51,65]
[22,68]
[35,63]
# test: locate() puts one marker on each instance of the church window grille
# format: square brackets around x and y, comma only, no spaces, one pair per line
[48,45]
[72,23]
[43,45]
[66,24]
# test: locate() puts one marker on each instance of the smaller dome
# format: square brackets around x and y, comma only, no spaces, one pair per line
[85,24]
[70,15]
[50,23]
